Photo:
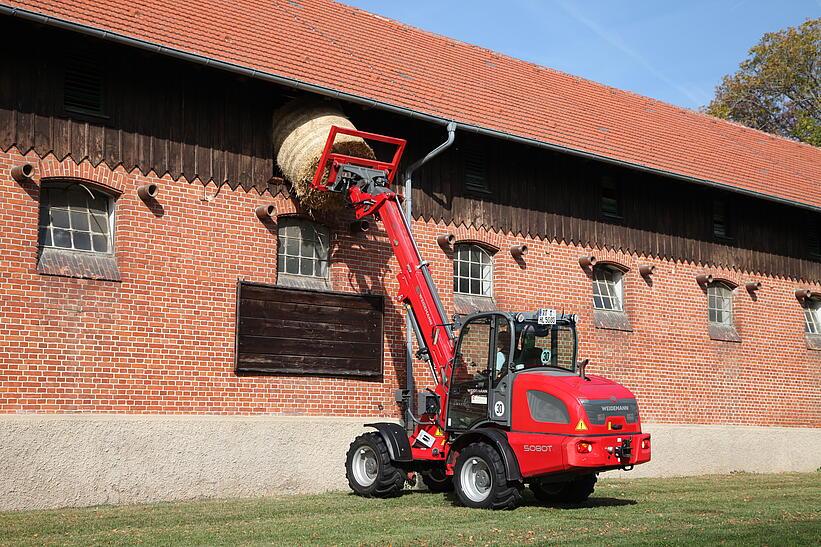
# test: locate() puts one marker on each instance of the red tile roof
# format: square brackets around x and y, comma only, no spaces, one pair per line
[344,48]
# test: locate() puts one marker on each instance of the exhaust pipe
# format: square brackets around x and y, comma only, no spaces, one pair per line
[446,241]
[518,251]
[265,212]
[752,286]
[646,270]
[704,279]
[148,191]
[22,173]
[587,262]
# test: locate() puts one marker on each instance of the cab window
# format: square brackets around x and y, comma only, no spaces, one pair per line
[546,346]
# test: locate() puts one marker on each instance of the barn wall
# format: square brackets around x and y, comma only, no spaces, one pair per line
[158,347]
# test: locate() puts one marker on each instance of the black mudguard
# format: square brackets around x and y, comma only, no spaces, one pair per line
[397,440]
[496,438]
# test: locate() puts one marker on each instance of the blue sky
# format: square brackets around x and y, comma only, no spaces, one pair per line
[676,51]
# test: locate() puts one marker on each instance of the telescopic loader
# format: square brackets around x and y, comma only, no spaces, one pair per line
[510,404]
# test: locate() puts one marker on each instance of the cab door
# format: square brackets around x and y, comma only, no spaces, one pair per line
[501,377]
[480,386]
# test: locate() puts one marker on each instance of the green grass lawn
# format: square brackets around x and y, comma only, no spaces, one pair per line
[733,509]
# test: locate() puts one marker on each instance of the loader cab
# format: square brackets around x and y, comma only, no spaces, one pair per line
[495,347]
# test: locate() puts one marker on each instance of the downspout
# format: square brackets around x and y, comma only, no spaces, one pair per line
[409,327]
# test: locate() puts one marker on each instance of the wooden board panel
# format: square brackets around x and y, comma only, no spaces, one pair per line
[291,331]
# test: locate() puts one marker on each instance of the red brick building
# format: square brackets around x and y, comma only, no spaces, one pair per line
[127,364]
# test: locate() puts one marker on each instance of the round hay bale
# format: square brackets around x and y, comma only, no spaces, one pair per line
[301,128]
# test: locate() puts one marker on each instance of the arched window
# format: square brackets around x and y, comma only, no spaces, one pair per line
[76,217]
[303,248]
[812,315]
[608,293]
[472,270]
[720,304]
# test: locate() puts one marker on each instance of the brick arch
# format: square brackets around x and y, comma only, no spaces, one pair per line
[493,241]
[611,264]
[489,247]
[101,176]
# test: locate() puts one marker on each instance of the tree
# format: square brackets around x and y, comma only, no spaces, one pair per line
[777,89]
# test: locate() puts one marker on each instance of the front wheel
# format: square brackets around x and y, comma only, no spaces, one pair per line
[369,469]
[480,479]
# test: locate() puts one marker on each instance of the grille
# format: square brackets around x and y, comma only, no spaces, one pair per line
[598,411]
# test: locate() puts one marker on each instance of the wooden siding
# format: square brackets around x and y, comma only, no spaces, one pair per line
[556,196]
[293,331]
[199,123]
[159,115]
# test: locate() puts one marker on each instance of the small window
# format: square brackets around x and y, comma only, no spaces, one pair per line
[476,181]
[720,304]
[607,289]
[812,315]
[303,248]
[721,225]
[472,270]
[76,217]
[814,237]
[610,199]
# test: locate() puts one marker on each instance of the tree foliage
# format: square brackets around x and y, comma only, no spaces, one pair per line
[777,89]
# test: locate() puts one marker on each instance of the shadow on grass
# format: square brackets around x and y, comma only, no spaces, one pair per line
[588,504]
[530,501]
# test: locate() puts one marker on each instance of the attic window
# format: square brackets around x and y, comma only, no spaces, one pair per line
[83,87]
[475,170]
[610,199]
[814,237]
[721,224]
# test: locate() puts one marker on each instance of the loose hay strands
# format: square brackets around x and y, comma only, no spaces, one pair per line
[301,129]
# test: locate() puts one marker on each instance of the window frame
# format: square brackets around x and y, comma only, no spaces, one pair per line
[458,248]
[812,316]
[617,292]
[729,310]
[319,230]
[65,184]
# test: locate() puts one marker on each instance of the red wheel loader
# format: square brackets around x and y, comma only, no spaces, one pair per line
[511,404]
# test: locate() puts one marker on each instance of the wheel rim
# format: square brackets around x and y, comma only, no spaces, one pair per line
[365,466]
[476,479]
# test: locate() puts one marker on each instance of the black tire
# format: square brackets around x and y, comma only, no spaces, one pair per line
[375,477]
[437,481]
[575,491]
[490,488]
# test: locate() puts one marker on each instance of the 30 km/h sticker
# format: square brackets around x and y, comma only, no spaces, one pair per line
[499,408]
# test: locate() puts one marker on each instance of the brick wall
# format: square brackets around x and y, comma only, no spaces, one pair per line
[162,339]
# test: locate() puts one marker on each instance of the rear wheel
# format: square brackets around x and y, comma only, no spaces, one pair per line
[575,491]
[480,479]
[369,469]
[437,481]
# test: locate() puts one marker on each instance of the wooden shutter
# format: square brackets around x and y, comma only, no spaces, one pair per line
[295,331]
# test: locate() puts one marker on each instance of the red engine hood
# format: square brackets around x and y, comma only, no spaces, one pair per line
[593,388]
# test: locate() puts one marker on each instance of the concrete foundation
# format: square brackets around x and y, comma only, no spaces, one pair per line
[79,460]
